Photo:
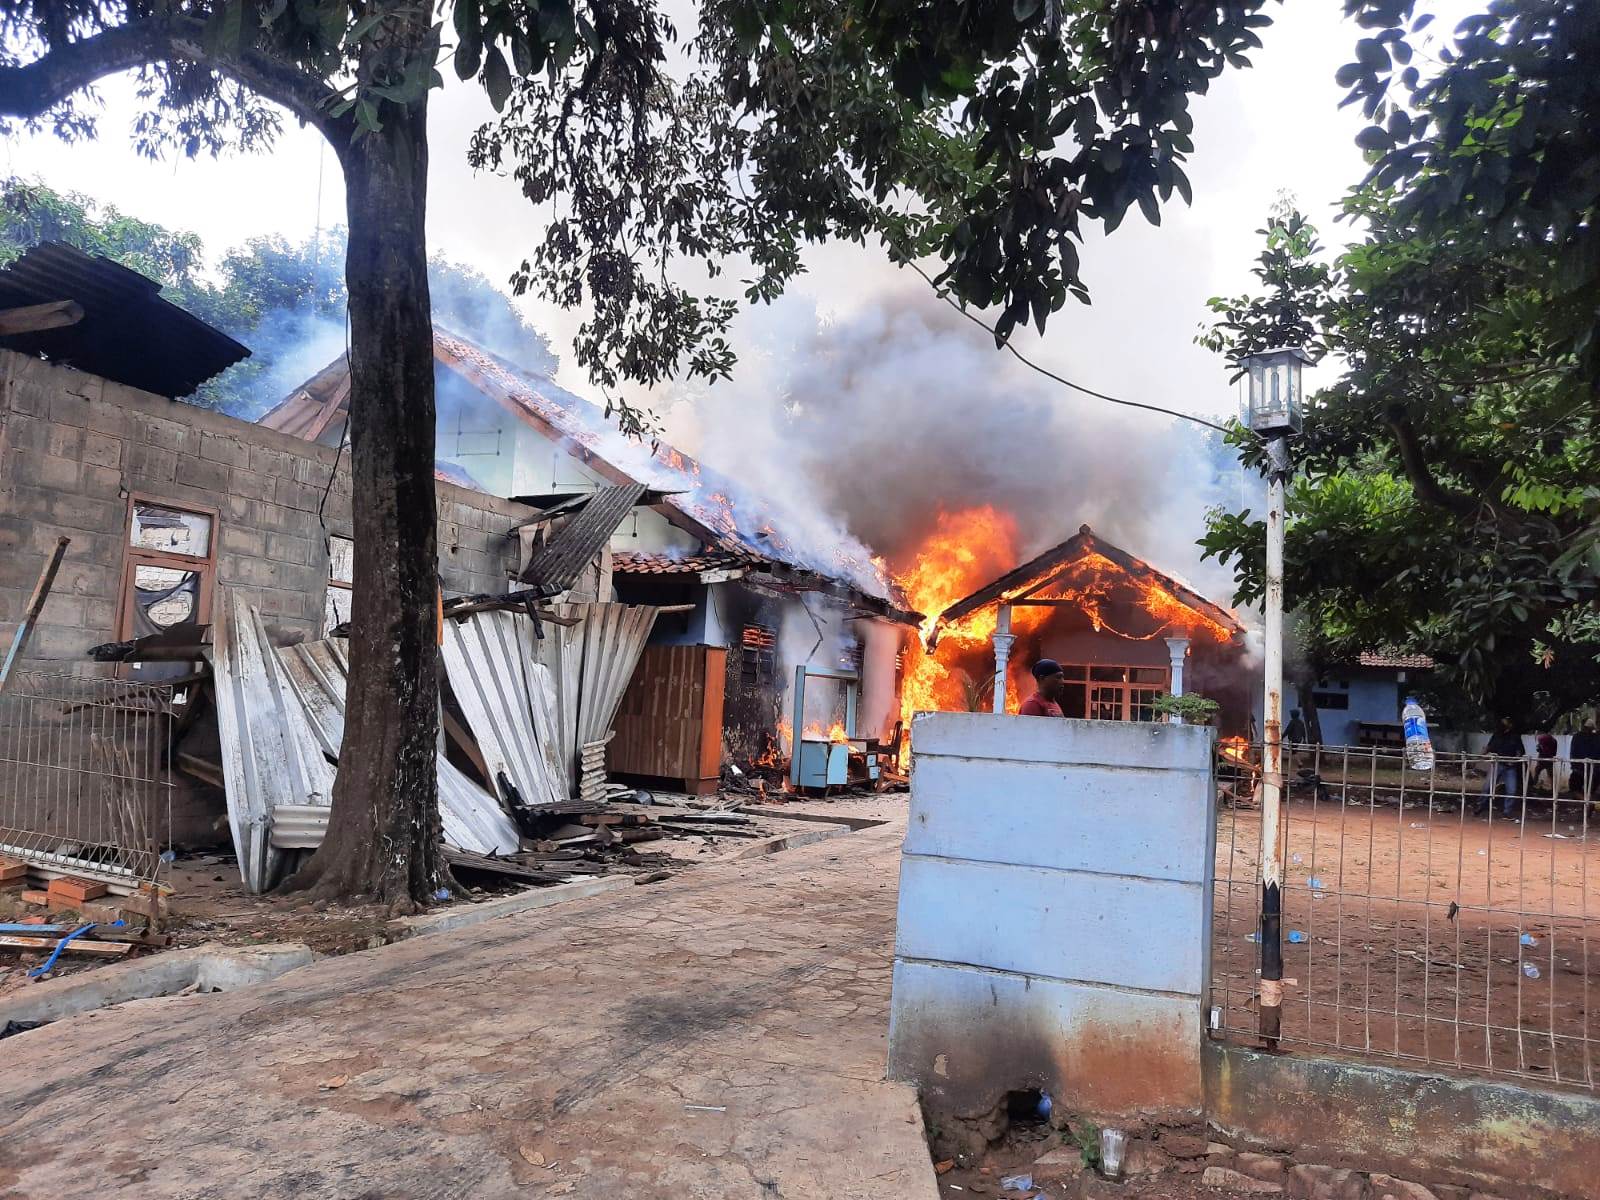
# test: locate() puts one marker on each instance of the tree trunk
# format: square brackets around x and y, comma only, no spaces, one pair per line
[384,831]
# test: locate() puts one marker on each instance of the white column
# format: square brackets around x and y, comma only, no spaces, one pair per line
[1177,650]
[1269,1012]
[1003,638]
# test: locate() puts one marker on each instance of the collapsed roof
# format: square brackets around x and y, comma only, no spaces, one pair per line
[742,538]
[87,312]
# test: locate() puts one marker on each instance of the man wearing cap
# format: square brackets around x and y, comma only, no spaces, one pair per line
[1044,702]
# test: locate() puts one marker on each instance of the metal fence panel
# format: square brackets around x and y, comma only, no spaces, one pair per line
[85,783]
[1438,917]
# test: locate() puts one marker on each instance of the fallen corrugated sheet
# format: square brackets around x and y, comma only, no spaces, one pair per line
[510,702]
[271,754]
[472,818]
[557,565]
[592,663]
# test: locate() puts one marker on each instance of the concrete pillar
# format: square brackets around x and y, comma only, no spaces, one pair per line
[1044,939]
[1003,638]
[1177,650]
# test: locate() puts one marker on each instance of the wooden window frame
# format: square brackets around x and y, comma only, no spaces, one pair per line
[338,583]
[1081,674]
[134,557]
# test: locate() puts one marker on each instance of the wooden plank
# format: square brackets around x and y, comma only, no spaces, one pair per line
[30,616]
[32,318]
[76,946]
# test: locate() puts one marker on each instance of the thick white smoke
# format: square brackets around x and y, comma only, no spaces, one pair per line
[866,427]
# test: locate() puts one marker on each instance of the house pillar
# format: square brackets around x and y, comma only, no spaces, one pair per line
[1177,650]
[1003,638]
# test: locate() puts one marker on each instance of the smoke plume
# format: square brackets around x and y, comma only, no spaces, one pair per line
[867,427]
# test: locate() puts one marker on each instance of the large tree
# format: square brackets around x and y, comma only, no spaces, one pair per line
[1449,498]
[984,132]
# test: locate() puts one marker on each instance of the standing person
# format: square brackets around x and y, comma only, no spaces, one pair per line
[1294,734]
[1505,769]
[1585,756]
[1545,747]
[1046,698]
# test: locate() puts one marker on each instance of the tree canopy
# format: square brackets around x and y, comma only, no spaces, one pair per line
[1448,496]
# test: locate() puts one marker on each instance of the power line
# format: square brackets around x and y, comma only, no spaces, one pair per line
[1049,374]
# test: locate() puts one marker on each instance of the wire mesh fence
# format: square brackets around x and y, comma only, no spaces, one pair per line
[85,784]
[1439,917]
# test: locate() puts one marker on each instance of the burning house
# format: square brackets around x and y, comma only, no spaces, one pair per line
[1123,631]
[750,601]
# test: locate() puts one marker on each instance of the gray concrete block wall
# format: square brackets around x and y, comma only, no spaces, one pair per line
[1054,909]
[74,448]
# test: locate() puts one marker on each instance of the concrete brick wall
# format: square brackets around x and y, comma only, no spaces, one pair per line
[73,447]
[1055,894]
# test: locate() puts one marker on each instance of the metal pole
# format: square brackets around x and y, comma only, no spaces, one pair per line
[1272,841]
[1002,655]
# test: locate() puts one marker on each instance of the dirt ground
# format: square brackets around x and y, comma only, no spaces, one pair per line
[209,903]
[1429,934]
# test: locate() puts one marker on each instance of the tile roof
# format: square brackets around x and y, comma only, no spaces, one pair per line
[634,562]
[1403,662]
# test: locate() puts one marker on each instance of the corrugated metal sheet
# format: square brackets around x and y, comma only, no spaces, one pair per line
[128,333]
[509,699]
[272,754]
[591,663]
[573,547]
[471,817]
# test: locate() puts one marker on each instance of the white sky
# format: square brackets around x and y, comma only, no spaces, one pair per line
[1274,127]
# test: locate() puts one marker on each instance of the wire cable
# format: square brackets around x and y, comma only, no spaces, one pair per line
[1049,374]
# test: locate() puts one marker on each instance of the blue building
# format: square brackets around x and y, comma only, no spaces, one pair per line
[1359,704]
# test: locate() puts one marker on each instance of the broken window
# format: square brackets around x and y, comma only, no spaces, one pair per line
[341,573]
[168,571]
[758,655]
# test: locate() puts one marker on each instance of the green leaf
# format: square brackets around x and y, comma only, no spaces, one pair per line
[497,78]
[469,39]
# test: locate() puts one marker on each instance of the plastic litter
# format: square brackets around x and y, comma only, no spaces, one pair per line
[1531,971]
[442,894]
[1419,747]
[1113,1142]
[1016,1183]
[1296,859]
[1296,936]
[1252,937]
[1316,883]
[169,856]
[1528,939]
[1045,1105]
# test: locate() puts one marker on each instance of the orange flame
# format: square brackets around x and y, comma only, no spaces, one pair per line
[967,550]
[1235,750]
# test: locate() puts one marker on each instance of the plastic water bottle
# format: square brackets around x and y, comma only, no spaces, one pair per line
[1419,748]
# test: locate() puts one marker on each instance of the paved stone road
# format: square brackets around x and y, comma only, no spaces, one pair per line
[581,1037]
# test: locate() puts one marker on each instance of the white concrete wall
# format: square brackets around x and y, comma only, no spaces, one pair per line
[1055,895]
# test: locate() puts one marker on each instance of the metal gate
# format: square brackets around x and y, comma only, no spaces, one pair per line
[1438,917]
[85,777]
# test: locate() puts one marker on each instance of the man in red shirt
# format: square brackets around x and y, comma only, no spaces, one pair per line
[1047,689]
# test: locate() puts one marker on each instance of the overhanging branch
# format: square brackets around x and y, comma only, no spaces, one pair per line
[1423,482]
[33,89]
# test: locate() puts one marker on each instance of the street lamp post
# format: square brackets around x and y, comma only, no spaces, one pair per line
[1275,413]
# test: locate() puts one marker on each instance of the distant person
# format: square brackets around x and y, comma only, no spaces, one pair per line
[1046,698]
[1294,734]
[1505,770]
[1545,747]
[1585,756]
[1295,731]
